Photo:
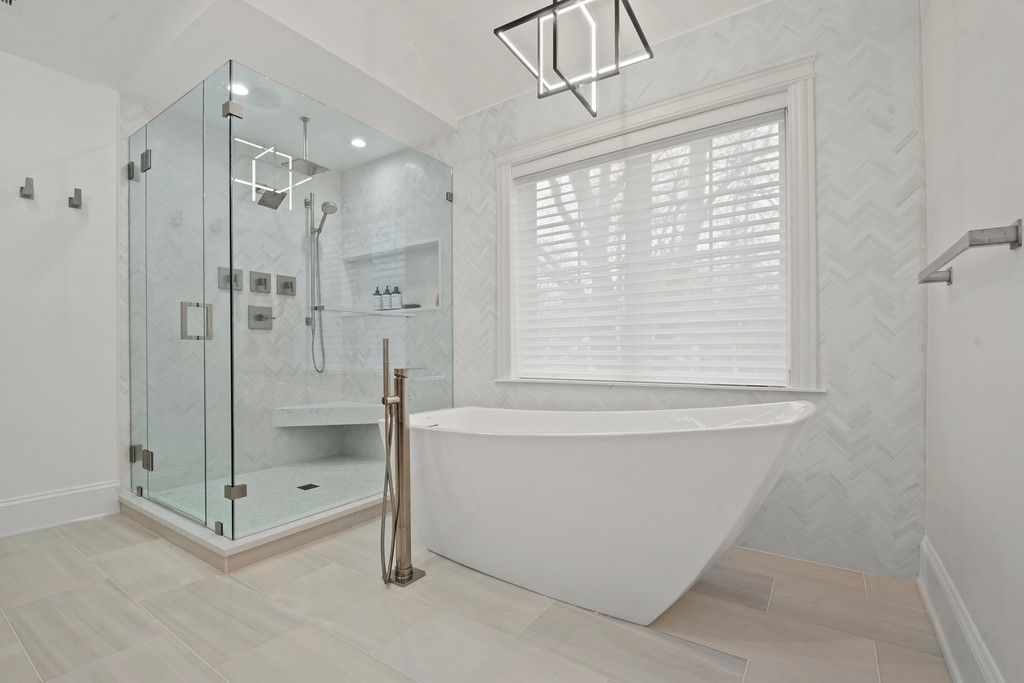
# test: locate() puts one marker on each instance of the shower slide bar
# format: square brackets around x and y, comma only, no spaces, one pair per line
[984,237]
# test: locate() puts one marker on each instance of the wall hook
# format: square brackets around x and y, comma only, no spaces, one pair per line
[28,190]
[75,200]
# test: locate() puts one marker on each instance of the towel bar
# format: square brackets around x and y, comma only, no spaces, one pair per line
[985,237]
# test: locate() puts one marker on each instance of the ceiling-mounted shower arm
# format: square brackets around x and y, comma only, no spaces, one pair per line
[305,136]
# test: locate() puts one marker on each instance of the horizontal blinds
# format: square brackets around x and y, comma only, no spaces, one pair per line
[664,264]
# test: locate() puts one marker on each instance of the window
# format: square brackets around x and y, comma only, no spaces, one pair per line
[677,253]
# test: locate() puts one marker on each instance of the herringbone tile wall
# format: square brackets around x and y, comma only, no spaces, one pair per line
[852,491]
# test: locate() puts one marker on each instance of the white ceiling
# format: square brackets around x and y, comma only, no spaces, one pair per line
[440,55]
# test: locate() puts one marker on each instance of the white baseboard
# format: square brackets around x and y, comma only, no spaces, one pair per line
[52,508]
[967,656]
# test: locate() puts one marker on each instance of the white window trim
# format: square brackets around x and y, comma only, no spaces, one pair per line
[789,85]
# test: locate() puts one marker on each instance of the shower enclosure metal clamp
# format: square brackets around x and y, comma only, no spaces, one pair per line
[396,566]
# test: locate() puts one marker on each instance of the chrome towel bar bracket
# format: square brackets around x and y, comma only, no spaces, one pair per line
[985,237]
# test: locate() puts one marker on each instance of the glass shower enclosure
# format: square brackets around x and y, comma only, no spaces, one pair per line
[273,243]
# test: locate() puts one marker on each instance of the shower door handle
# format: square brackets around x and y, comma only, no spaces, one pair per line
[208,323]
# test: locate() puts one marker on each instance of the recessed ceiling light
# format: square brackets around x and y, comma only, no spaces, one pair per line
[239,89]
[358,142]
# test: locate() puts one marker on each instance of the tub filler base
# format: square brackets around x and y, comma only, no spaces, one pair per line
[619,513]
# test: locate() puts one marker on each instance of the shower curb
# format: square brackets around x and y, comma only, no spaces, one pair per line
[227,555]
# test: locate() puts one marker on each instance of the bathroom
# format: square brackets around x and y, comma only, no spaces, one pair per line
[742,409]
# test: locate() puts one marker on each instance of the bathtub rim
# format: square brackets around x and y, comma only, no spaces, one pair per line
[809,410]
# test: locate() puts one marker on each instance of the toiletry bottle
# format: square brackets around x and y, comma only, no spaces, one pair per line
[387,298]
[378,300]
[396,298]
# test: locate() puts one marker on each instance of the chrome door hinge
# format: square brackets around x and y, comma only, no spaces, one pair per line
[147,460]
[449,196]
[146,162]
[235,492]
[134,453]
[132,175]
[235,109]
[218,528]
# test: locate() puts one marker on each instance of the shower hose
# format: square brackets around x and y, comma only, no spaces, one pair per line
[388,502]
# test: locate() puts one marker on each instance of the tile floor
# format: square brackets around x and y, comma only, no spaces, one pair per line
[106,600]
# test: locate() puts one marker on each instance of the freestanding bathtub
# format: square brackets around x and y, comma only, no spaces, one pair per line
[615,512]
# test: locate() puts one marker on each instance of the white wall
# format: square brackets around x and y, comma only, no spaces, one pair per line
[973,59]
[58,343]
[852,492]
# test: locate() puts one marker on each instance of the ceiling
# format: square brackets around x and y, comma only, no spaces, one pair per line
[441,56]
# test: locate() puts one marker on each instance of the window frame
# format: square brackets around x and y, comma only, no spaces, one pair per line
[789,87]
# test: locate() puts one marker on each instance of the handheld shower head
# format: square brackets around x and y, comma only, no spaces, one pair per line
[327,208]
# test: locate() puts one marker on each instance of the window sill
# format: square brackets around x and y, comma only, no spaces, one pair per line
[658,385]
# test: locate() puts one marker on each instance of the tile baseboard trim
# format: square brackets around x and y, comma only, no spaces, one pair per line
[966,654]
[60,506]
[227,555]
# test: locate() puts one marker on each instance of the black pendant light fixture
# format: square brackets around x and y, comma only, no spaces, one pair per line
[570,45]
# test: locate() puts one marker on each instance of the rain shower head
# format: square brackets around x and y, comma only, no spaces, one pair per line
[271,199]
[304,165]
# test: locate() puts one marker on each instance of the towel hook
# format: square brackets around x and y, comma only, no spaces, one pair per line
[28,190]
[75,200]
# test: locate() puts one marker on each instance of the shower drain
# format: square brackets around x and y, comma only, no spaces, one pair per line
[307,487]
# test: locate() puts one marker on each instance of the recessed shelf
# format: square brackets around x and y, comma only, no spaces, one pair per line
[392,313]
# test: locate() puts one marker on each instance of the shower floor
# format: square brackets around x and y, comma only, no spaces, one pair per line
[274,496]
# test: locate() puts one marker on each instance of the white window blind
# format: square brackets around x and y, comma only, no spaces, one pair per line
[665,263]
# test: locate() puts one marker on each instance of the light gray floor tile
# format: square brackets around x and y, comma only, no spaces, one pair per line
[96,536]
[308,653]
[895,591]
[448,648]
[736,585]
[147,569]
[70,630]
[159,660]
[784,643]
[358,549]
[876,620]
[10,545]
[898,665]
[762,673]
[628,652]
[454,588]
[220,618]
[43,570]
[271,573]
[354,606]
[15,666]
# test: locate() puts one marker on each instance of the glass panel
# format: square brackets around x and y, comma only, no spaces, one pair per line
[218,287]
[174,306]
[306,406]
[137,304]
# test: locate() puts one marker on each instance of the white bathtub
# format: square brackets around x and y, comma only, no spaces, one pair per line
[618,513]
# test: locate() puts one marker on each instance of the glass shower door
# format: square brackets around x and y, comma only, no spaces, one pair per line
[178,319]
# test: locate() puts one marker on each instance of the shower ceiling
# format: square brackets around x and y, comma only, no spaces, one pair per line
[330,133]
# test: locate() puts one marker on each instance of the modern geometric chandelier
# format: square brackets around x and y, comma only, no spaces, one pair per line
[576,43]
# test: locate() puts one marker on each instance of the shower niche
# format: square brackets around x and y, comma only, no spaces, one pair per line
[232,425]
[414,268]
